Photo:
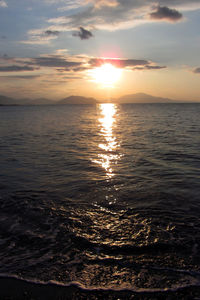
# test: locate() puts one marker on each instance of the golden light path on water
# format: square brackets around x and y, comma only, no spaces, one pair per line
[108,154]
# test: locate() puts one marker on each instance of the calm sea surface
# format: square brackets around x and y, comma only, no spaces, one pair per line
[101,196]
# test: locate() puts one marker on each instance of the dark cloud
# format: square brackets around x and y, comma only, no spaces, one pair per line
[166,13]
[149,68]
[133,64]
[52,32]
[76,69]
[83,34]
[49,61]
[16,68]
[55,62]
[197,70]
[21,76]
[155,67]
[72,77]
[81,69]
[121,63]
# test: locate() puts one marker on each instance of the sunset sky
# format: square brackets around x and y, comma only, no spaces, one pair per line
[52,48]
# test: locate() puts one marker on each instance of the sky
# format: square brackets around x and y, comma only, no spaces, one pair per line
[54,48]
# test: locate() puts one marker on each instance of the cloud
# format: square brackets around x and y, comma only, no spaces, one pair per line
[196,70]
[101,3]
[63,63]
[155,67]
[166,13]
[3,3]
[16,68]
[79,64]
[83,34]
[128,64]
[52,32]
[121,14]
[149,67]
[105,18]
[108,15]
[20,76]
[41,36]
[55,61]
[76,69]
[72,4]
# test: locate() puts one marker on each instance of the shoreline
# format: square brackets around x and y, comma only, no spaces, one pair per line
[19,289]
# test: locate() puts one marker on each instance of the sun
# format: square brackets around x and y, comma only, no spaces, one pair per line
[106,75]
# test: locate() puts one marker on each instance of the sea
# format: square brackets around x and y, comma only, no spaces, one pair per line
[102,197]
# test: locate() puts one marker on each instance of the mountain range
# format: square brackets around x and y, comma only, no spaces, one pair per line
[77,100]
[133,98]
[143,98]
[4,100]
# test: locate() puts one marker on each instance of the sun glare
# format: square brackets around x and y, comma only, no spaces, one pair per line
[108,155]
[106,75]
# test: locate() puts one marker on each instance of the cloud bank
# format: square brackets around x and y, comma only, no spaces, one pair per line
[16,68]
[59,63]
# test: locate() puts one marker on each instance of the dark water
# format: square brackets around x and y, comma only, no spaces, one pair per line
[103,196]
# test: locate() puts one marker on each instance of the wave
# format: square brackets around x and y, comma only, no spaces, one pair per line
[126,249]
[14,279]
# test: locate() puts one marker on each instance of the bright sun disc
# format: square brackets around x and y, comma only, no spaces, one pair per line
[106,75]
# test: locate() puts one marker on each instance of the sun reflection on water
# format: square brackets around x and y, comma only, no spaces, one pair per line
[108,155]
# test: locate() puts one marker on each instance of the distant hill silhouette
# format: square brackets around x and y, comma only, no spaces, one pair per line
[143,98]
[7,100]
[133,98]
[77,100]
[11,101]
